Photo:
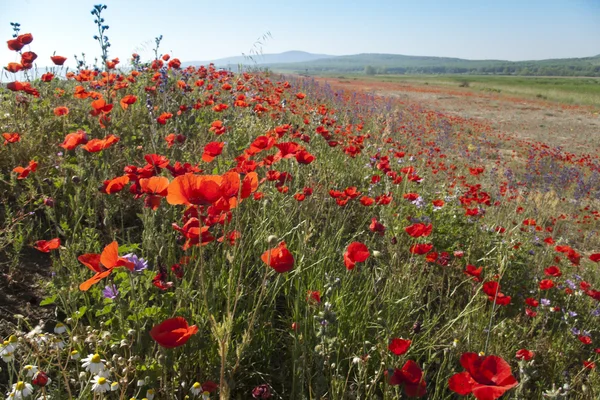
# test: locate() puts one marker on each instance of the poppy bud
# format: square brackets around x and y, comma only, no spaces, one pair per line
[76,180]
[49,202]
[294,326]
[417,327]
[261,392]
[272,240]
[394,240]
[40,379]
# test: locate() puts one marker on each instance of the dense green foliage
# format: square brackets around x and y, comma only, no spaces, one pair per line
[400,64]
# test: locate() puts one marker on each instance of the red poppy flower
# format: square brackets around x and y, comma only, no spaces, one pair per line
[585,339]
[212,150]
[304,157]
[419,230]
[162,119]
[172,138]
[474,272]
[411,376]
[40,379]
[14,45]
[300,95]
[127,100]
[11,138]
[553,271]
[595,257]
[45,246]
[28,57]
[524,354]
[23,172]
[100,106]
[96,145]
[279,258]
[589,364]
[399,346]
[421,248]
[173,332]
[25,38]
[72,140]
[115,185]
[546,284]
[58,60]
[487,378]
[155,187]
[377,227]
[356,252]
[60,111]
[47,77]
[13,67]
[190,189]
[103,264]
[314,296]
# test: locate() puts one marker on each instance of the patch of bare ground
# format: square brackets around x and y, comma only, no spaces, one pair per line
[574,128]
[21,291]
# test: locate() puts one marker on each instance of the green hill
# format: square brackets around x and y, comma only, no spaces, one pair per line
[402,64]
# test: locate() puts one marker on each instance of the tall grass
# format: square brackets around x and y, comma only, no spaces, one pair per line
[260,327]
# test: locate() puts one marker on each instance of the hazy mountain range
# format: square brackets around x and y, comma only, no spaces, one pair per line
[374,63]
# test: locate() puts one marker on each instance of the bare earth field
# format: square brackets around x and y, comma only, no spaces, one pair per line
[575,128]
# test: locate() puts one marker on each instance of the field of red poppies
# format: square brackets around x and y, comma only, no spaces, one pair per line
[200,233]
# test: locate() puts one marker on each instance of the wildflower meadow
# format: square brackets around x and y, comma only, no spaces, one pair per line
[215,234]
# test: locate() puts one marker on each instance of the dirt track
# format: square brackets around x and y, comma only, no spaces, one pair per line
[575,128]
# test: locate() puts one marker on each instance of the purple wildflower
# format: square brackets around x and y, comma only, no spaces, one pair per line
[110,292]
[139,263]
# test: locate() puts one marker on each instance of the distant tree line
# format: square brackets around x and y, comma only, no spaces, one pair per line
[511,69]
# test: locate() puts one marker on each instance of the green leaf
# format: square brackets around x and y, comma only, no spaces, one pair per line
[80,313]
[48,300]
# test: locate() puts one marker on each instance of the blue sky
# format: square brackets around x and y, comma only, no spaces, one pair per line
[204,30]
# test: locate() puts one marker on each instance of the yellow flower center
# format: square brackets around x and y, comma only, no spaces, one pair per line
[28,367]
[20,385]
[96,358]
[101,380]
[74,352]
[197,385]
[12,339]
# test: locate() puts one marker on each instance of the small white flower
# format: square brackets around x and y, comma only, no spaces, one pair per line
[100,384]
[75,355]
[7,357]
[94,364]
[58,344]
[114,386]
[21,389]
[60,328]
[30,370]
[196,389]
[10,345]
[150,394]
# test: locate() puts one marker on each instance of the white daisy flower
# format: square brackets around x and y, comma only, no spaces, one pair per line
[150,394]
[94,364]
[196,389]
[7,357]
[21,389]
[75,355]
[114,386]
[60,328]
[100,384]
[10,345]
[30,370]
